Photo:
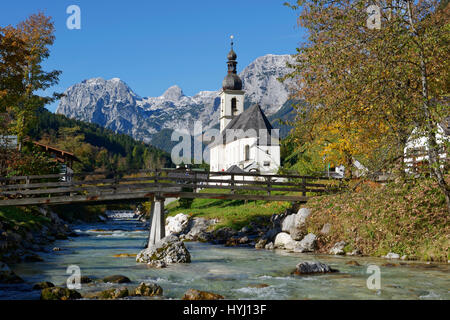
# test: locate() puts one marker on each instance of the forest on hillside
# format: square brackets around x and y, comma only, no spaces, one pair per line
[98,148]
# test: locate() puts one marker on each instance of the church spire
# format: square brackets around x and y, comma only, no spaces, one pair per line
[232,58]
[232,80]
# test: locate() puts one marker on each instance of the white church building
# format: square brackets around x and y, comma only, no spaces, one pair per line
[247,142]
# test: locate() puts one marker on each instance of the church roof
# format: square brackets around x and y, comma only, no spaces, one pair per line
[251,119]
[235,169]
[232,82]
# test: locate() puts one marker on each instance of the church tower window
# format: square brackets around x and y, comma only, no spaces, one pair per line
[247,152]
[233,106]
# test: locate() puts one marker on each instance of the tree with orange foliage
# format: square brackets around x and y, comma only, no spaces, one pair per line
[369,88]
[22,50]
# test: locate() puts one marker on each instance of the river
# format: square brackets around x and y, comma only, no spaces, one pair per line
[236,273]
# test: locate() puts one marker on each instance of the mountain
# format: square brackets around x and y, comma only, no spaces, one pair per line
[114,105]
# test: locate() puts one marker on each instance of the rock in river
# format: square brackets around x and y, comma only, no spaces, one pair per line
[109,294]
[309,267]
[169,250]
[117,279]
[193,294]
[157,264]
[86,279]
[198,229]
[148,290]
[58,293]
[177,224]
[43,285]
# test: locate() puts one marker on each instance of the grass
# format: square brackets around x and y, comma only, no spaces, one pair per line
[22,219]
[408,218]
[234,214]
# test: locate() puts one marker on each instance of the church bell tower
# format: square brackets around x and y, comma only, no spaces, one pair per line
[232,95]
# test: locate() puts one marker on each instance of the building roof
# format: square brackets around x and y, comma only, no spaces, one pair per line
[232,82]
[251,122]
[235,169]
[232,55]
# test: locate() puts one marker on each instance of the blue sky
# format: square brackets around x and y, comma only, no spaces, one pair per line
[152,45]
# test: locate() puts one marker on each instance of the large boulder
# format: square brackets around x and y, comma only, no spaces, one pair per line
[284,241]
[177,224]
[148,290]
[288,223]
[58,293]
[309,267]
[198,229]
[302,215]
[193,294]
[295,223]
[307,244]
[169,250]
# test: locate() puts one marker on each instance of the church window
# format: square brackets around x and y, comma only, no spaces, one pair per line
[247,152]
[233,106]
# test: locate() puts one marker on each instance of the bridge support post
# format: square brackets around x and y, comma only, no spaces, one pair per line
[158,222]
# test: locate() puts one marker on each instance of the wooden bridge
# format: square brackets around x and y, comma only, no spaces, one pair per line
[156,186]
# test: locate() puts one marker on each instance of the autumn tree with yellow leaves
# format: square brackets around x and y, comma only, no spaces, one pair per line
[369,86]
[23,48]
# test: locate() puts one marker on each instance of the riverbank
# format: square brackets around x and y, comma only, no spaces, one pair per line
[408,219]
[28,232]
[399,219]
[106,250]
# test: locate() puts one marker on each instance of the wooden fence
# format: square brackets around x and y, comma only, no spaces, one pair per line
[146,184]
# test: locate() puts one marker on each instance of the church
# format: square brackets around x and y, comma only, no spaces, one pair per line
[247,141]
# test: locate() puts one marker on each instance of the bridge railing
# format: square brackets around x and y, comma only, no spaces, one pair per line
[92,186]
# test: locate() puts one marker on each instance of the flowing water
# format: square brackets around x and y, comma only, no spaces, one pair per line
[236,273]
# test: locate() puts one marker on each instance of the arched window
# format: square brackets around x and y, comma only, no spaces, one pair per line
[233,106]
[247,152]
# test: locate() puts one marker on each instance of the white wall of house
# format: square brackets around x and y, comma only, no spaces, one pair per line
[416,149]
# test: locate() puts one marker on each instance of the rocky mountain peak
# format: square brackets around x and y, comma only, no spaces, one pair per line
[174,93]
[113,104]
